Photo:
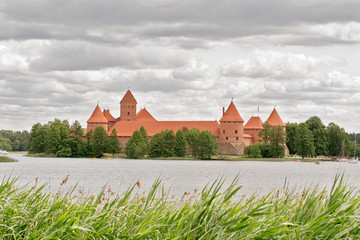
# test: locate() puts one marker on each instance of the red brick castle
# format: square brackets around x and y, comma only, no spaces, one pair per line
[230,131]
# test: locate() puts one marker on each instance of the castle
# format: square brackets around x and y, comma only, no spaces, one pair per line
[230,131]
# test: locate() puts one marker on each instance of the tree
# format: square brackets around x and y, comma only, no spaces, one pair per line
[180,147]
[253,151]
[37,138]
[264,134]
[146,138]
[207,145]
[335,137]
[169,143]
[86,145]
[320,135]
[192,138]
[5,144]
[157,145]
[100,141]
[290,136]
[136,146]
[277,139]
[114,143]
[304,140]
[76,138]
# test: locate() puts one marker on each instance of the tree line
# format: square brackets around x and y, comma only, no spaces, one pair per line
[313,138]
[168,144]
[59,139]
[14,140]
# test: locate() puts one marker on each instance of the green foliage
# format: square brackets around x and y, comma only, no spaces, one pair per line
[304,141]
[277,139]
[114,143]
[207,145]
[57,137]
[253,151]
[318,130]
[290,136]
[264,134]
[180,147]
[75,138]
[100,141]
[14,140]
[157,145]
[86,146]
[192,138]
[169,143]
[37,142]
[335,136]
[217,213]
[136,146]
[64,152]
[146,138]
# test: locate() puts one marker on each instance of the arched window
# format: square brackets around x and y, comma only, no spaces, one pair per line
[128,113]
[235,131]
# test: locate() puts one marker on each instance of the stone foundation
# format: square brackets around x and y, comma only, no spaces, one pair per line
[231,148]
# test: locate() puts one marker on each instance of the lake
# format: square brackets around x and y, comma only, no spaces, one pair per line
[91,175]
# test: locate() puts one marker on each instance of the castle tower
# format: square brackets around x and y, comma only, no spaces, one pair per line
[109,117]
[275,120]
[96,119]
[231,126]
[253,127]
[128,107]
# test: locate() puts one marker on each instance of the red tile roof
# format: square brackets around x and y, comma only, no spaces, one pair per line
[97,116]
[231,114]
[128,98]
[247,135]
[108,116]
[126,128]
[275,120]
[144,115]
[254,123]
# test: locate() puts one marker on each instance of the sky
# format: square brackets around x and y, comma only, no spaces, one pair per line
[182,60]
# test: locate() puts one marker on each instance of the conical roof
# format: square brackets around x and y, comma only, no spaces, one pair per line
[97,116]
[108,116]
[144,115]
[231,114]
[254,123]
[275,119]
[128,98]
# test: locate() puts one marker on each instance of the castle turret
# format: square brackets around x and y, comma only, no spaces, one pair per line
[128,107]
[231,126]
[275,120]
[97,119]
[253,127]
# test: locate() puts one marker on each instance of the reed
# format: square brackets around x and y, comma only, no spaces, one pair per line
[207,214]
[7,159]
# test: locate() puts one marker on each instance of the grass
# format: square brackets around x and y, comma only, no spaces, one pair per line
[7,159]
[210,214]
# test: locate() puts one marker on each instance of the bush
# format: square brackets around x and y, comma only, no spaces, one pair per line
[64,152]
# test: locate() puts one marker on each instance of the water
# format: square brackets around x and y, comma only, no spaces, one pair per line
[91,175]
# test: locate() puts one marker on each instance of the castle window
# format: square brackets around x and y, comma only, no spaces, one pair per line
[235,131]
[128,113]
[237,138]
[223,131]
[227,138]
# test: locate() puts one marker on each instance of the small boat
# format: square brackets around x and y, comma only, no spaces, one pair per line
[3,153]
[341,157]
[354,160]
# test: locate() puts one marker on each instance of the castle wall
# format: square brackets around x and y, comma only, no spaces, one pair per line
[254,133]
[231,148]
[91,126]
[128,112]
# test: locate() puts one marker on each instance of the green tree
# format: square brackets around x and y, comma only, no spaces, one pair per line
[180,147]
[37,143]
[5,144]
[76,138]
[136,146]
[192,138]
[86,145]
[290,136]
[146,138]
[157,145]
[207,145]
[264,134]
[169,143]
[100,141]
[304,140]
[114,143]
[253,151]
[277,140]
[318,130]
[335,137]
